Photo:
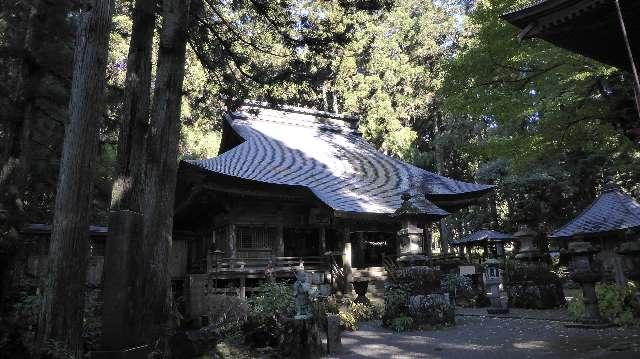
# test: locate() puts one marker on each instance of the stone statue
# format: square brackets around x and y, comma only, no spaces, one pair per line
[302,293]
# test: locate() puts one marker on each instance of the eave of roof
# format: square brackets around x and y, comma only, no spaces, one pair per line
[612,212]
[587,27]
[482,236]
[326,154]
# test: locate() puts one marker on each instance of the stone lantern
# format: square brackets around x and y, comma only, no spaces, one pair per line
[492,280]
[531,284]
[630,252]
[586,270]
[427,303]
[410,235]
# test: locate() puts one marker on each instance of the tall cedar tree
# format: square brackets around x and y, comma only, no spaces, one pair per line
[64,292]
[161,172]
[126,204]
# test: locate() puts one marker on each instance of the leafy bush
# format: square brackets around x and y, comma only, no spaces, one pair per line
[348,320]
[616,304]
[401,324]
[395,303]
[352,313]
[324,306]
[265,320]
[227,314]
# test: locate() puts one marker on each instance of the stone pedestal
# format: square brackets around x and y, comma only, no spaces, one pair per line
[587,270]
[334,334]
[302,339]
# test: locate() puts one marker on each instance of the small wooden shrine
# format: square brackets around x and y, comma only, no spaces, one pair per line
[492,242]
[611,219]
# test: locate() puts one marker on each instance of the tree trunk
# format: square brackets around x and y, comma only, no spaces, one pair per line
[64,292]
[161,172]
[439,157]
[123,251]
[127,189]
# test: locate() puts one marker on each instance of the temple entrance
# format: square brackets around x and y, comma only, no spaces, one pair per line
[370,247]
[301,242]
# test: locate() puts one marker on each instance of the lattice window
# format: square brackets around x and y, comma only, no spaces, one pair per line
[256,238]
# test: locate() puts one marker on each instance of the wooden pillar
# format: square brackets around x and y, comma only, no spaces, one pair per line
[500,249]
[279,247]
[231,240]
[346,261]
[243,289]
[426,235]
[358,255]
[322,239]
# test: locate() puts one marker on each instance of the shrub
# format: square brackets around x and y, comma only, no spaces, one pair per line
[395,303]
[358,312]
[401,324]
[265,320]
[348,320]
[227,314]
[615,304]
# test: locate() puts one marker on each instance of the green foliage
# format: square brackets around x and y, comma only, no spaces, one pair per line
[227,314]
[616,304]
[353,313]
[401,324]
[395,303]
[455,283]
[348,320]
[265,321]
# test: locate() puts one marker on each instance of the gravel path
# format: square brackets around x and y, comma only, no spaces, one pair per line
[489,337]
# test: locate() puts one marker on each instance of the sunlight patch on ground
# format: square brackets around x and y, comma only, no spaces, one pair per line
[533,344]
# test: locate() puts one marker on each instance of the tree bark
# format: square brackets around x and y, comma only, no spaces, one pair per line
[64,292]
[439,157]
[134,122]
[123,251]
[161,172]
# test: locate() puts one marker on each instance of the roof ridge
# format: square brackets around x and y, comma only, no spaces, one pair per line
[301,110]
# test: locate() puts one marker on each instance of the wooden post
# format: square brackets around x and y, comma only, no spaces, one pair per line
[346,261]
[243,288]
[359,250]
[279,247]
[322,238]
[231,240]
[426,245]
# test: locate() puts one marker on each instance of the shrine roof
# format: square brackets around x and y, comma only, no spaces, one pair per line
[482,236]
[325,153]
[587,27]
[612,211]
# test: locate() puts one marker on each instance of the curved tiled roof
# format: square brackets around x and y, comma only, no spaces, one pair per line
[612,211]
[483,235]
[326,154]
